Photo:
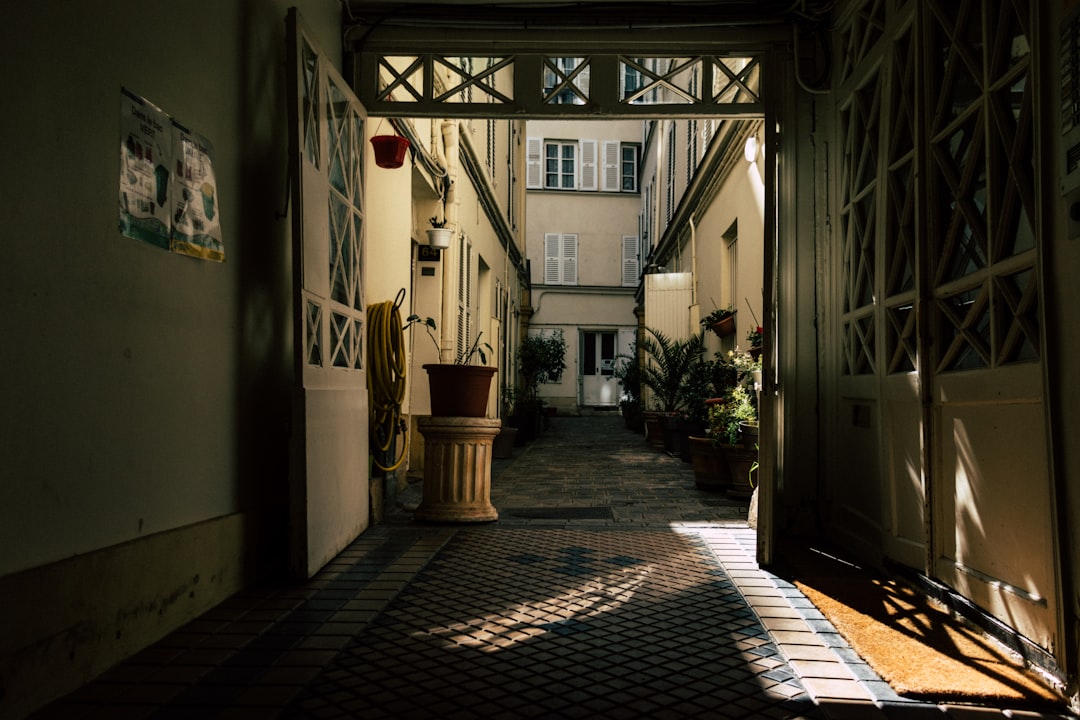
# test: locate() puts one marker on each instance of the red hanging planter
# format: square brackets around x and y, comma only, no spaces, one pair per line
[389,150]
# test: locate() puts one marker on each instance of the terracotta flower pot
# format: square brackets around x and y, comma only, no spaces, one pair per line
[710,468]
[724,327]
[459,390]
[389,150]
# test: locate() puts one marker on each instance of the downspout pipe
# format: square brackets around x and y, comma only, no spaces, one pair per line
[693,262]
[448,149]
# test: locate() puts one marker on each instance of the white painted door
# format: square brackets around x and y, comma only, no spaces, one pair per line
[329,467]
[598,385]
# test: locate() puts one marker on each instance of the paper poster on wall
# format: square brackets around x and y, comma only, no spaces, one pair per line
[196,225]
[168,189]
[145,158]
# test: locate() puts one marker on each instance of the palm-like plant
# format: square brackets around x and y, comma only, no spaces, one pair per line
[672,362]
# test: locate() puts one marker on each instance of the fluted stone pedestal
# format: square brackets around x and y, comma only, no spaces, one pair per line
[457,469]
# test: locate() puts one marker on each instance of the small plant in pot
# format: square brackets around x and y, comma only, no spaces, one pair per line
[439,235]
[721,321]
[460,388]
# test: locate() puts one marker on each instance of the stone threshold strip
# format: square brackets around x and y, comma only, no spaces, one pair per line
[840,682]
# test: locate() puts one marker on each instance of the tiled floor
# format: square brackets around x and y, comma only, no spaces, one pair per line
[609,588]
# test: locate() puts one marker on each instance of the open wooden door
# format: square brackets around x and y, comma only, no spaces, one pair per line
[329,454]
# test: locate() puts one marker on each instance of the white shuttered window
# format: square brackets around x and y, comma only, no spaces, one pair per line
[560,258]
[630,262]
[588,164]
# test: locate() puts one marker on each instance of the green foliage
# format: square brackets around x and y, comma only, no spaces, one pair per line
[739,406]
[671,364]
[628,374]
[477,349]
[717,315]
[429,325]
[465,357]
[541,359]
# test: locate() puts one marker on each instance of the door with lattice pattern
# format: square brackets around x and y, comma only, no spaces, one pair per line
[328,474]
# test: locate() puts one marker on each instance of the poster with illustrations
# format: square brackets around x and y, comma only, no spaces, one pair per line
[196,226]
[145,158]
[168,189]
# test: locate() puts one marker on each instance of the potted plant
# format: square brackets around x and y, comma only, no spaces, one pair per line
[541,359]
[725,420]
[670,363]
[754,339]
[439,235]
[461,388]
[721,321]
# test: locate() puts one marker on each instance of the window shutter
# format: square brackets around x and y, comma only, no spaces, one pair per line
[534,168]
[551,258]
[588,164]
[611,167]
[569,259]
[464,318]
[630,260]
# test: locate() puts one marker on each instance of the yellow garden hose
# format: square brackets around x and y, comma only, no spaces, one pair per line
[386,367]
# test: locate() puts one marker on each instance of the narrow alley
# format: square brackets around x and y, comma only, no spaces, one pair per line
[610,587]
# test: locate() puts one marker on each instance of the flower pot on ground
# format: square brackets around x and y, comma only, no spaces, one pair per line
[748,433]
[742,464]
[632,415]
[710,468]
[503,445]
[654,427]
[677,431]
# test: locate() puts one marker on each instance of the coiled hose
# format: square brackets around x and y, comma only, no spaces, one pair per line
[386,368]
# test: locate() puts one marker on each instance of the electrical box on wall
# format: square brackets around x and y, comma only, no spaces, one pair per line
[1069,62]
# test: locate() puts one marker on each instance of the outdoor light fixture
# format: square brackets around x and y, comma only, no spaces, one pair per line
[750,149]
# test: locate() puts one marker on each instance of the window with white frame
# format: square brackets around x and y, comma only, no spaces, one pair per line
[560,258]
[610,166]
[560,165]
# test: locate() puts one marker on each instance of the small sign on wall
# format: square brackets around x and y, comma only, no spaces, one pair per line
[168,189]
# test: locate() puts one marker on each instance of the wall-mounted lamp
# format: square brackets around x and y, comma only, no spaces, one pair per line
[750,149]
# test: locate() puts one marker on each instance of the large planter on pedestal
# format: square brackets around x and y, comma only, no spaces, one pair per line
[457,469]
[459,390]
[710,467]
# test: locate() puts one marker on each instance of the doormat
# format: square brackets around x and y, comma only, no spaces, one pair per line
[560,513]
[915,645]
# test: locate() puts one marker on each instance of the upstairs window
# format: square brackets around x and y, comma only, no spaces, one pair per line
[610,166]
[560,165]
[560,258]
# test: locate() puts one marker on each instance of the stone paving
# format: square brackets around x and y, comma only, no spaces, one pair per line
[609,588]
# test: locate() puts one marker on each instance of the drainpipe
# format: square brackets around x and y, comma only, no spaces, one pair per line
[449,146]
[695,309]
[693,261]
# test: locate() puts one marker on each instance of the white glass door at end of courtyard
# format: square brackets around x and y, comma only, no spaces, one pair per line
[598,385]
